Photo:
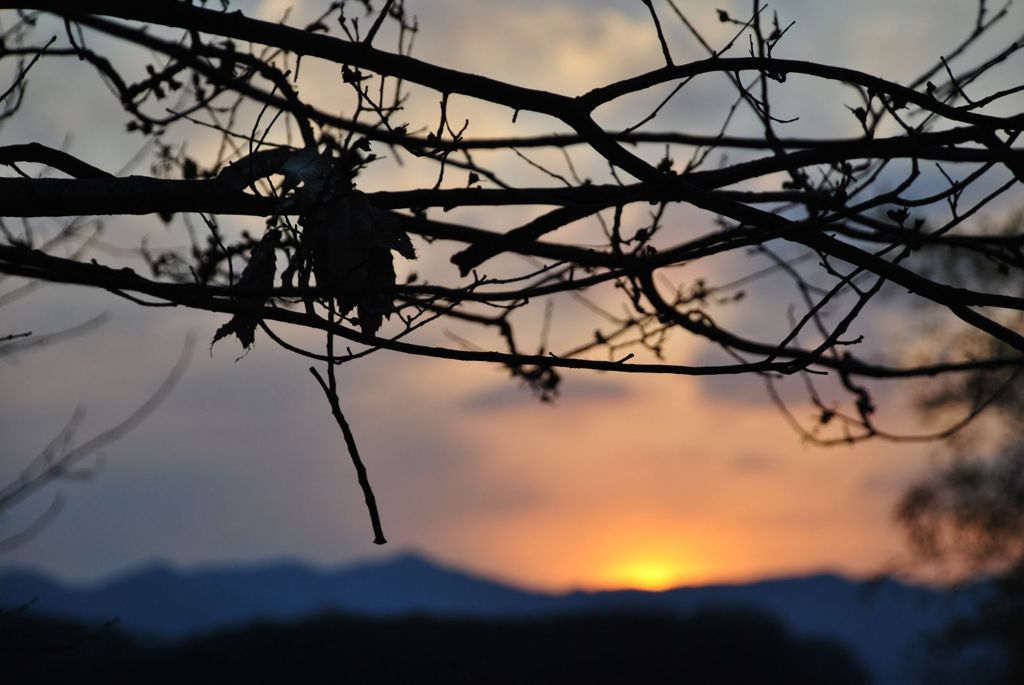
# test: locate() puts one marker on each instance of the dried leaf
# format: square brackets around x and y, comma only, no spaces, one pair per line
[351,243]
[258,274]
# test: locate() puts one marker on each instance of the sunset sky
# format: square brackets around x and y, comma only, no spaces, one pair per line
[623,481]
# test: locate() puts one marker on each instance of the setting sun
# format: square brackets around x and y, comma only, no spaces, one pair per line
[650,574]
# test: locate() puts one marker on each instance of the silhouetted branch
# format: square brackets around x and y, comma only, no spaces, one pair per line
[330,389]
[843,220]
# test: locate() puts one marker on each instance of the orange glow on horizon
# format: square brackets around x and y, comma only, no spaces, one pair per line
[659,484]
[650,574]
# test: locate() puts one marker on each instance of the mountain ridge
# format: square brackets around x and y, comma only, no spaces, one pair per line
[883,622]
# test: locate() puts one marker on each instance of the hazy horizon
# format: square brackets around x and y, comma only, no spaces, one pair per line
[394,555]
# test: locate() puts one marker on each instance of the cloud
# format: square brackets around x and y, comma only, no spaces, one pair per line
[744,390]
[552,46]
[754,464]
[572,391]
[888,485]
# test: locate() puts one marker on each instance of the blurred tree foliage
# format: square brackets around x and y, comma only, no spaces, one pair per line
[967,518]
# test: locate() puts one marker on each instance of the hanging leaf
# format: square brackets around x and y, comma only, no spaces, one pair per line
[258,274]
[383,228]
[351,243]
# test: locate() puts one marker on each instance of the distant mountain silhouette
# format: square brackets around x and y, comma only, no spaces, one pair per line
[883,623]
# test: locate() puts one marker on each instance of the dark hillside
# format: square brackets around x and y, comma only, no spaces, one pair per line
[734,646]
